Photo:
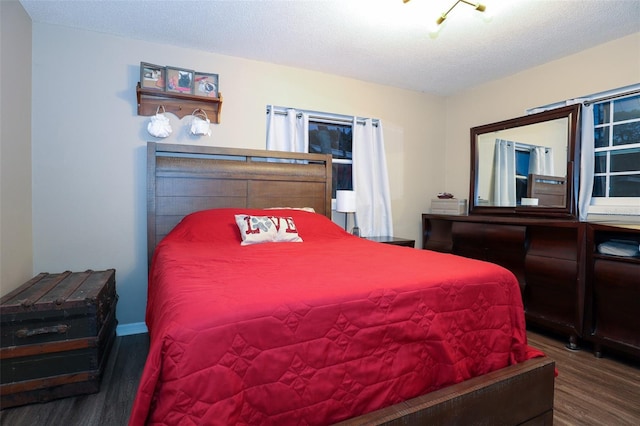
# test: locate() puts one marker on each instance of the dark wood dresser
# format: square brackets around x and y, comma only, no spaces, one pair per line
[613,290]
[567,286]
[546,255]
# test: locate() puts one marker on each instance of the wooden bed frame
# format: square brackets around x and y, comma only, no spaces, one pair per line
[184,179]
[549,190]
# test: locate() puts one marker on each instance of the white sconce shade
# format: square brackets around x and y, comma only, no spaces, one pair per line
[345,201]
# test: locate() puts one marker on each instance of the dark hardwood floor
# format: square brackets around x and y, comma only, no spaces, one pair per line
[592,391]
[588,390]
[109,407]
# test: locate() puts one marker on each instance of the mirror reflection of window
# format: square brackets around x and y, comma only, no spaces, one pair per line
[514,162]
[539,148]
[523,157]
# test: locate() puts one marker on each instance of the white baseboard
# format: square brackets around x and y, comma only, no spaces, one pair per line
[131,328]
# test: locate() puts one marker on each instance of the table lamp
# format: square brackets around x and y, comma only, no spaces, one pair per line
[346,203]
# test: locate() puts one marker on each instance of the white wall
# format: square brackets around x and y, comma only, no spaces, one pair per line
[16,255]
[89,144]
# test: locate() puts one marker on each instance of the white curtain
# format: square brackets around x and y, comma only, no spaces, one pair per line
[287,131]
[587,160]
[370,180]
[541,161]
[504,179]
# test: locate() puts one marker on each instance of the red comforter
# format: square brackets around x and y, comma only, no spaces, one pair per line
[313,332]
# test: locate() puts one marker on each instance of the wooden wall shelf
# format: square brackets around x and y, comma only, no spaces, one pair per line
[177,103]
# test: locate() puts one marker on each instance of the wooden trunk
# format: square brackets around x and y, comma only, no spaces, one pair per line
[57,330]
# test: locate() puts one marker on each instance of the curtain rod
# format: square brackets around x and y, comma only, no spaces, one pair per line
[336,120]
[528,147]
[609,97]
[605,96]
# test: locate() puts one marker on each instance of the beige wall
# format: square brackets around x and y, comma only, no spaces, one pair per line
[604,67]
[89,144]
[16,253]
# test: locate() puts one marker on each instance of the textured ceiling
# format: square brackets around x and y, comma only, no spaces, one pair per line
[381,41]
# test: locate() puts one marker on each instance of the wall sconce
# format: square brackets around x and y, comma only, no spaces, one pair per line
[346,203]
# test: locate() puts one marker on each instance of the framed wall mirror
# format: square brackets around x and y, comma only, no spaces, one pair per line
[527,165]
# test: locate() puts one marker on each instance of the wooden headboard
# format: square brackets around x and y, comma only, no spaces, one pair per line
[549,190]
[182,179]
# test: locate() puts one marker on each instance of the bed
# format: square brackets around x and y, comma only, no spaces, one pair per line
[330,329]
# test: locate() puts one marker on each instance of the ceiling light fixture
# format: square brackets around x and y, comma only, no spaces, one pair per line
[477,6]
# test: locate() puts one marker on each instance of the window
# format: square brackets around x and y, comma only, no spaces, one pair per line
[617,154]
[294,130]
[327,137]
[522,172]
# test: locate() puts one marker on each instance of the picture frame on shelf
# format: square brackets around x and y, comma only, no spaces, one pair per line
[206,85]
[152,76]
[179,80]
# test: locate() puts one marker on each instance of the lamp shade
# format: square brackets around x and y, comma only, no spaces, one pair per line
[345,201]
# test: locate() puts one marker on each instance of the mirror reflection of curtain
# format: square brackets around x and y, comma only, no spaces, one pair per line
[504,179]
[541,161]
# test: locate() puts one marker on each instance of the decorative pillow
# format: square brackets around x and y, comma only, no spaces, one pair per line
[218,226]
[263,229]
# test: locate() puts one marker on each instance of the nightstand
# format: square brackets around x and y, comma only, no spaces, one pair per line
[393,240]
